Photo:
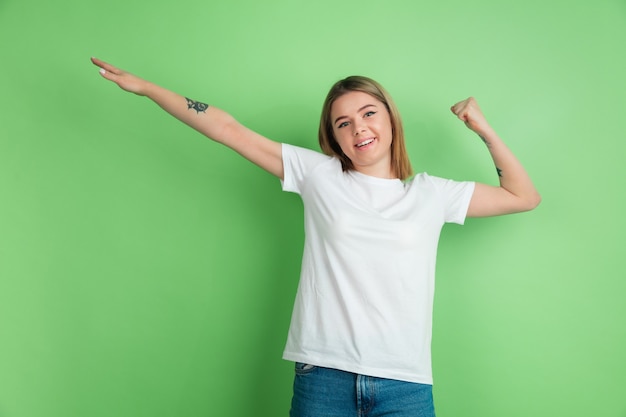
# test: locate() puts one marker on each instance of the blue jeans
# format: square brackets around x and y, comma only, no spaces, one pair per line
[324,392]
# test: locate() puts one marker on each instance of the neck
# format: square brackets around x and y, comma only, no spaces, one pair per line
[378,172]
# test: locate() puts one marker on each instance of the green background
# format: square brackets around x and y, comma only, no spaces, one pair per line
[147,271]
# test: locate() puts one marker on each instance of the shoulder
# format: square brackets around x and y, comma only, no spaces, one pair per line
[442,186]
[425,179]
[293,151]
[300,163]
[303,159]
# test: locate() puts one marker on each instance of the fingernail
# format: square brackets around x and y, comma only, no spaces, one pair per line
[102,71]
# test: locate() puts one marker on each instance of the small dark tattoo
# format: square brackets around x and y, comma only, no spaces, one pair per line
[196,105]
[499,171]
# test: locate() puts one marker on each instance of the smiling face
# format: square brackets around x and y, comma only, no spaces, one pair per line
[362,127]
[378,114]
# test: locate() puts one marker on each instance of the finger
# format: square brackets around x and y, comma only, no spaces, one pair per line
[106,66]
[459,109]
[459,106]
[108,75]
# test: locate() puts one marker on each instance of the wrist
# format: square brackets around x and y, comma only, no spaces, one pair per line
[148,89]
[490,139]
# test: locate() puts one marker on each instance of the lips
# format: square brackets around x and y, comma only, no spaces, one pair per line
[364,143]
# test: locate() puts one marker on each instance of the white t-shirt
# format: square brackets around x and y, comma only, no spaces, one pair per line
[364,300]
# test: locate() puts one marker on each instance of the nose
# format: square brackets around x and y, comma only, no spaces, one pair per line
[358,128]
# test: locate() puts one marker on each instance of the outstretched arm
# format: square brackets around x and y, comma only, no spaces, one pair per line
[516,192]
[212,122]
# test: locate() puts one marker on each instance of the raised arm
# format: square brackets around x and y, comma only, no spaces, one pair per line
[516,192]
[212,122]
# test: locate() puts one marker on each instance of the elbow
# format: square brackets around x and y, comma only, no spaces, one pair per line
[531,202]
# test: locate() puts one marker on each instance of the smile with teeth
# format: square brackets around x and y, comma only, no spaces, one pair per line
[364,143]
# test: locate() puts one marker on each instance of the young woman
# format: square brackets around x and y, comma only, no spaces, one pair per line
[361,327]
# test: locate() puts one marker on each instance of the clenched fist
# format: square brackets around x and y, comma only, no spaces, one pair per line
[469,112]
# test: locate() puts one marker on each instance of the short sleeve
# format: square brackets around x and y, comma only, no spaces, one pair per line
[297,164]
[455,198]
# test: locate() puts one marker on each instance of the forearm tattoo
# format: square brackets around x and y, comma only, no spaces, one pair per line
[499,171]
[196,105]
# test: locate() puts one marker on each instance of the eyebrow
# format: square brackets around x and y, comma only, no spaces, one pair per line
[358,111]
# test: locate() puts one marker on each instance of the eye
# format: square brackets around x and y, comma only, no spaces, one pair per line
[344,124]
[369,113]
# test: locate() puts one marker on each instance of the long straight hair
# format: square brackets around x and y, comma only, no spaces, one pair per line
[400,164]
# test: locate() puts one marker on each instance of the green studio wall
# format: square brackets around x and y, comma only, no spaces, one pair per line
[146,271]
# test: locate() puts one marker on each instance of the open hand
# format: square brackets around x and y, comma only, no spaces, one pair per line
[125,80]
[469,112]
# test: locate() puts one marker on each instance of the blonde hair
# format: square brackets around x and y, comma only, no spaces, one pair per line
[400,164]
